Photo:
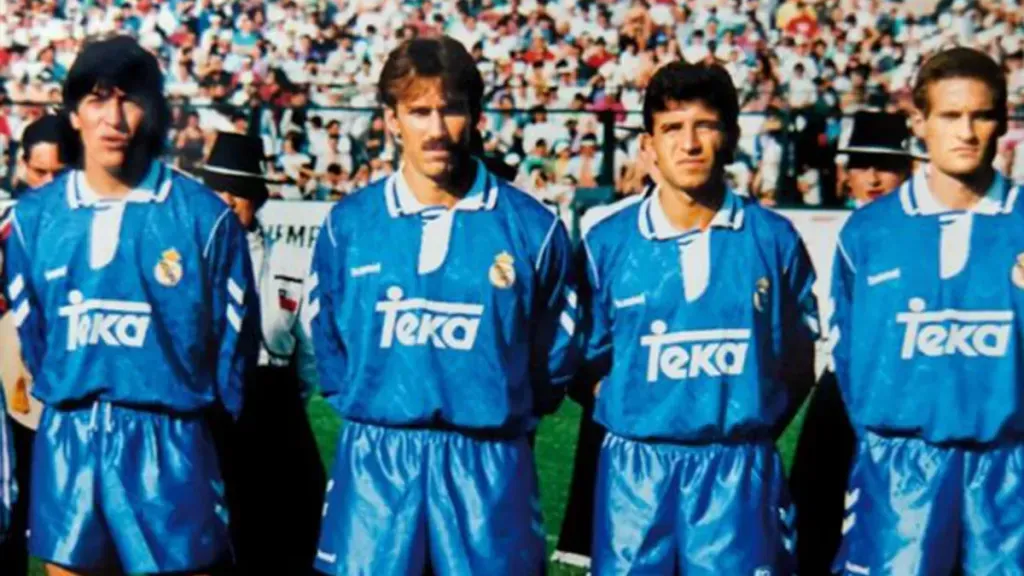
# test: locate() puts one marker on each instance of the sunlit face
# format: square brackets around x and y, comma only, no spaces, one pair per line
[244,208]
[961,126]
[42,165]
[107,122]
[433,130]
[689,143]
[871,177]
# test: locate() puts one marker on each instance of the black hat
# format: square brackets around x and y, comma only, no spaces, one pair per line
[235,165]
[879,134]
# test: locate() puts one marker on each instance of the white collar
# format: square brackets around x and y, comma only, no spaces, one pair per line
[654,223]
[918,200]
[154,187]
[400,200]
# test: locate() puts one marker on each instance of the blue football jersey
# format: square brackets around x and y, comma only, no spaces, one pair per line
[929,306]
[697,335]
[147,301]
[422,315]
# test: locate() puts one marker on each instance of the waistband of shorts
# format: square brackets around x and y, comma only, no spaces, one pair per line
[966,445]
[94,404]
[737,441]
[481,434]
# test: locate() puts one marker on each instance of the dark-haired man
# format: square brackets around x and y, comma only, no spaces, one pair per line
[132,290]
[45,151]
[443,318]
[700,323]
[928,286]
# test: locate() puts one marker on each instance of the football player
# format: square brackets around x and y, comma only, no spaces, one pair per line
[443,318]
[928,286]
[132,289]
[700,323]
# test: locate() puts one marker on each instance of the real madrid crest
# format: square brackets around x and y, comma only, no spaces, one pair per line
[761,293]
[503,271]
[168,270]
[1017,272]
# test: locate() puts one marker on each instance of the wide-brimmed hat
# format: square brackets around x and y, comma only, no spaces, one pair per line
[235,165]
[877,134]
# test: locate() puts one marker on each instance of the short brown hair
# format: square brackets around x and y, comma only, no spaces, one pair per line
[961,62]
[442,58]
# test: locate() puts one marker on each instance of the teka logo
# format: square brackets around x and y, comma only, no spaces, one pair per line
[420,322]
[954,332]
[681,355]
[105,322]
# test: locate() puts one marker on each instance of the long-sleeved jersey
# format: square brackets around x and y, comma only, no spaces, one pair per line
[425,316]
[698,335]
[929,308]
[145,301]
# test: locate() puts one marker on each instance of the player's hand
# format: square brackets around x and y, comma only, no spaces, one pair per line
[19,400]
[597,388]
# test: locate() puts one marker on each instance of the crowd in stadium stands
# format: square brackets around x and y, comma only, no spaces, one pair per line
[282,68]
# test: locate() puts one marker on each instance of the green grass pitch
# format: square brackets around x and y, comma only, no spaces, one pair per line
[556,445]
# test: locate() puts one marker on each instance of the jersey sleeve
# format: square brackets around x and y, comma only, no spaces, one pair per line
[8,486]
[323,291]
[596,335]
[21,296]
[305,359]
[235,311]
[554,349]
[801,322]
[838,341]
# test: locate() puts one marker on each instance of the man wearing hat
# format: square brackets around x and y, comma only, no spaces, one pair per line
[276,478]
[874,146]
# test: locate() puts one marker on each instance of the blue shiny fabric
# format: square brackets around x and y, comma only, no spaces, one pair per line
[111,485]
[400,499]
[697,510]
[160,310]
[395,338]
[914,508]
[926,341]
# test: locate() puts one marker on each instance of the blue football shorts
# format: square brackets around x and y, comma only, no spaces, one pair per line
[115,487]
[914,508]
[400,500]
[698,510]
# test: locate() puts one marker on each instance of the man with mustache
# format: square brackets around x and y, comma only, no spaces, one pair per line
[928,286]
[133,294]
[699,323]
[443,314]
